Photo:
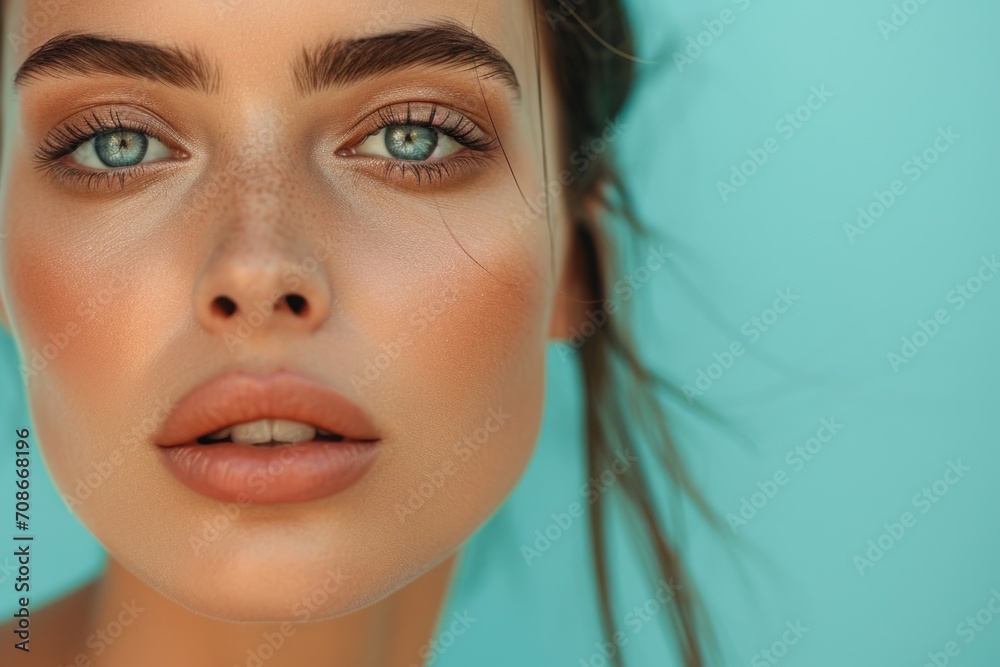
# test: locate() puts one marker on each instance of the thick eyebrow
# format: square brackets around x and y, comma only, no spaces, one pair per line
[341,62]
[74,54]
[335,63]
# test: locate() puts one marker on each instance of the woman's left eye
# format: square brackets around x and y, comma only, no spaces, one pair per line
[119,148]
[408,142]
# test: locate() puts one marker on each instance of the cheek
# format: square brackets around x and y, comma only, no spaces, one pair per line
[483,354]
[86,326]
[456,364]
[453,324]
[91,297]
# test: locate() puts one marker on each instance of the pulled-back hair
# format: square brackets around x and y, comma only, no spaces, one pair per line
[589,43]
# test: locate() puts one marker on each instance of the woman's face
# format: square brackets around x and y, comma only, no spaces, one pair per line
[161,202]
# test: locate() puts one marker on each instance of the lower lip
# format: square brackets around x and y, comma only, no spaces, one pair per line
[292,473]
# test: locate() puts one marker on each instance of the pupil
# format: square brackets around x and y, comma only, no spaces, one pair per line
[121,149]
[410,142]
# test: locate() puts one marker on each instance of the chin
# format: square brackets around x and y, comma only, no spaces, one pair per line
[270,593]
[284,573]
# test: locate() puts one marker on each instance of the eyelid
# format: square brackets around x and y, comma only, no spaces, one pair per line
[480,146]
[479,149]
[89,150]
[85,125]
[442,118]
[75,131]
[444,143]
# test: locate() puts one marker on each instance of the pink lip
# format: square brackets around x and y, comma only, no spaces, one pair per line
[273,474]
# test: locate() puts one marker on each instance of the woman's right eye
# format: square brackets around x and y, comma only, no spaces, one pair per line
[119,148]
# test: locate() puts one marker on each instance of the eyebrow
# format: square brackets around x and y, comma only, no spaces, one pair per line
[444,44]
[335,63]
[74,54]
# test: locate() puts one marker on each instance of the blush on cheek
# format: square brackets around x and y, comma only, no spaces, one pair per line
[480,349]
[83,328]
[90,322]
[491,331]
[466,324]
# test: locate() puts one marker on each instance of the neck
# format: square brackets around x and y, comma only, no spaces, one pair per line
[156,631]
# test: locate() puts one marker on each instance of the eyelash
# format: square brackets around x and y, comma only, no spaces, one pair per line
[66,139]
[480,146]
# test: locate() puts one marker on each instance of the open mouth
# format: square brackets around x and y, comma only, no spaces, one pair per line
[269,433]
[267,439]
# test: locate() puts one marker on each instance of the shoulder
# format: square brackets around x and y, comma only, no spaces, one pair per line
[56,631]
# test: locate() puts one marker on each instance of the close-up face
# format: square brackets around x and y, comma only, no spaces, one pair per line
[325,227]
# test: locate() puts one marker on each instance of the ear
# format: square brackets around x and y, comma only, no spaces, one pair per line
[578,287]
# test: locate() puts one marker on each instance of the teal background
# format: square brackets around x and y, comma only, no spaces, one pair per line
[825,358]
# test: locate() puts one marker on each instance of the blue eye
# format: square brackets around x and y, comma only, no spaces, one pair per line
[408,142]
[120,148]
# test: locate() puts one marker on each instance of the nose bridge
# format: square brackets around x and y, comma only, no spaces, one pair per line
[258,243]
[256,162]
[259,176]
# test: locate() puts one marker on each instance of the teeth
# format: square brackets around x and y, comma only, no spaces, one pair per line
[252,433]
[265,430]
[283,430]
[268,431]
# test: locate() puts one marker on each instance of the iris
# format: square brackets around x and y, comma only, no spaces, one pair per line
[124,148]
[410,142]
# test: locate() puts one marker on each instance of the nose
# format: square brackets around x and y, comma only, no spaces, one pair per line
[262,273]
[266,290]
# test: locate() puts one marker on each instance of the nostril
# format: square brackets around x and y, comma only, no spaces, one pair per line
[297,303]
[223,305]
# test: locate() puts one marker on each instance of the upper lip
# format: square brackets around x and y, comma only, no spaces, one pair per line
[235,397]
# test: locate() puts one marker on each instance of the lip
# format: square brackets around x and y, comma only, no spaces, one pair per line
[284,473]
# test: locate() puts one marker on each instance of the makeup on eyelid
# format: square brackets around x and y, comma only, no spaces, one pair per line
[54,156]
[331,64]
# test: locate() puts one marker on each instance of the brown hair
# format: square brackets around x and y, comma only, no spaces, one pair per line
[589,45]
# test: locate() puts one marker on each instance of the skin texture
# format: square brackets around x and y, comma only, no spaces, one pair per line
[255,201]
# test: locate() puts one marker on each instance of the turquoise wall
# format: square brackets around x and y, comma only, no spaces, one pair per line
[825,175]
